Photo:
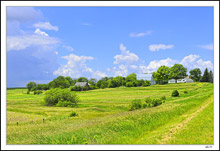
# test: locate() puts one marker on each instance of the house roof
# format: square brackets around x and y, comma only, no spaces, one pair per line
[82,84]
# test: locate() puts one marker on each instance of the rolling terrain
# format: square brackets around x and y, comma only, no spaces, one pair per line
[103,117]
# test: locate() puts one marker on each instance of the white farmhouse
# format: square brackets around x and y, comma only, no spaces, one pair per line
[148,77]
[172,81]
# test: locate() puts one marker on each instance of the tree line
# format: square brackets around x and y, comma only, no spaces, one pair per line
[161,76]
[178,71]
[106,82]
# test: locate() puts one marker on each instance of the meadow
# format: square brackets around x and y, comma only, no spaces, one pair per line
[103,117]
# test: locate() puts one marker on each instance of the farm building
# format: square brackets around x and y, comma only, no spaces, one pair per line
[82,84]
[185,80]
[148,77]
[172,81]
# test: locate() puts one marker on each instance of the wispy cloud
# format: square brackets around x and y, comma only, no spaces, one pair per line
[39,32]
[157,47]
[140,34]
[46,26]
[209,46]
[86,24]
[69,48]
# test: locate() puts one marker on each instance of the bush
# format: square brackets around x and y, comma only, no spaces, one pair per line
[85,88]
[148,100]
[163,98]
[76,88]
[129,84]
[39,92]
[175,93]
[35,92]
[135,104]
[93,87]
[28,92]
[62,97]
[185,91]
[33,89]
[72,114]
[65,104]
[153,102]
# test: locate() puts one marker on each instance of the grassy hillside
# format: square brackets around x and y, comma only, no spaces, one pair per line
[104,117]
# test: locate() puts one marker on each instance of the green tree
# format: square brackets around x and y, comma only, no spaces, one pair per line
[177,71]
[82,79]
[119,80]
[195,74]
[59,82]
[211,76]
[161,74]
[92,81]
[205,77]
[102,84]
[71,81]
[113,83]
[31,85]
[131,77]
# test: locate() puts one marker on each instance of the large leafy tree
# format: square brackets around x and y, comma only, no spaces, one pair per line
[59,82]
[131,77]
[177,71]
[82,79]
[31,85]
[92,81]
[205,77]
[195,74]
[71,81]
[161,74]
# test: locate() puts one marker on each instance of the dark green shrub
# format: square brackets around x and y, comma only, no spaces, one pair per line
[163,98]
[135,104]
[175,93]
[129,84]
[156,102]
[33,89]
[35,92]
[53,96]
[145,105]
[65,104]
[148,100]
[93,87]
[28,92]
[39,92]
[185,91]
[72,114]
[85,88]
[76,88]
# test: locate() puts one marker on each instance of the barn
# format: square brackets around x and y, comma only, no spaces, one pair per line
[82,84]
[172,81]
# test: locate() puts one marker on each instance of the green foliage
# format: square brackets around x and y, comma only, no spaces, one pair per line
[75,88]
[211,76]
[70,80]
[135,104]
[153,102]
[72,114]
[185,91]
[28,92]
[35,92]
[131,77]
[93,87]
[161,74]
[175,93]
[102,84]
[147,83]
[38,91]
[205,77]
[113,83]
[92,81]
[31,85]
[53,96]
[177,72]
[163,98]
[59,82]
[129,84]
[85,88]
[82,79]
[195,74]
[65,104]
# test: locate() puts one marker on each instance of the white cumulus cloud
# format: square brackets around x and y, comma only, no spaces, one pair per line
[126,56]
[69,48]
[157,47]
[24,41]
[46,26]
[39,32]
[76,66]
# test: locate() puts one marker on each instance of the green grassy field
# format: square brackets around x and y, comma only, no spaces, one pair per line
[104,117]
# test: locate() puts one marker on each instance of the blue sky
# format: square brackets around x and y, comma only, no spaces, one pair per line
[45,42]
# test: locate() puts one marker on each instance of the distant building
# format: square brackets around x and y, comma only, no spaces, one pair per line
[172,81]
[185,80]
[82,84]
[148,77]
[189,80]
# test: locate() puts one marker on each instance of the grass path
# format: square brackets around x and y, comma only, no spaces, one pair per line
[176,128]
